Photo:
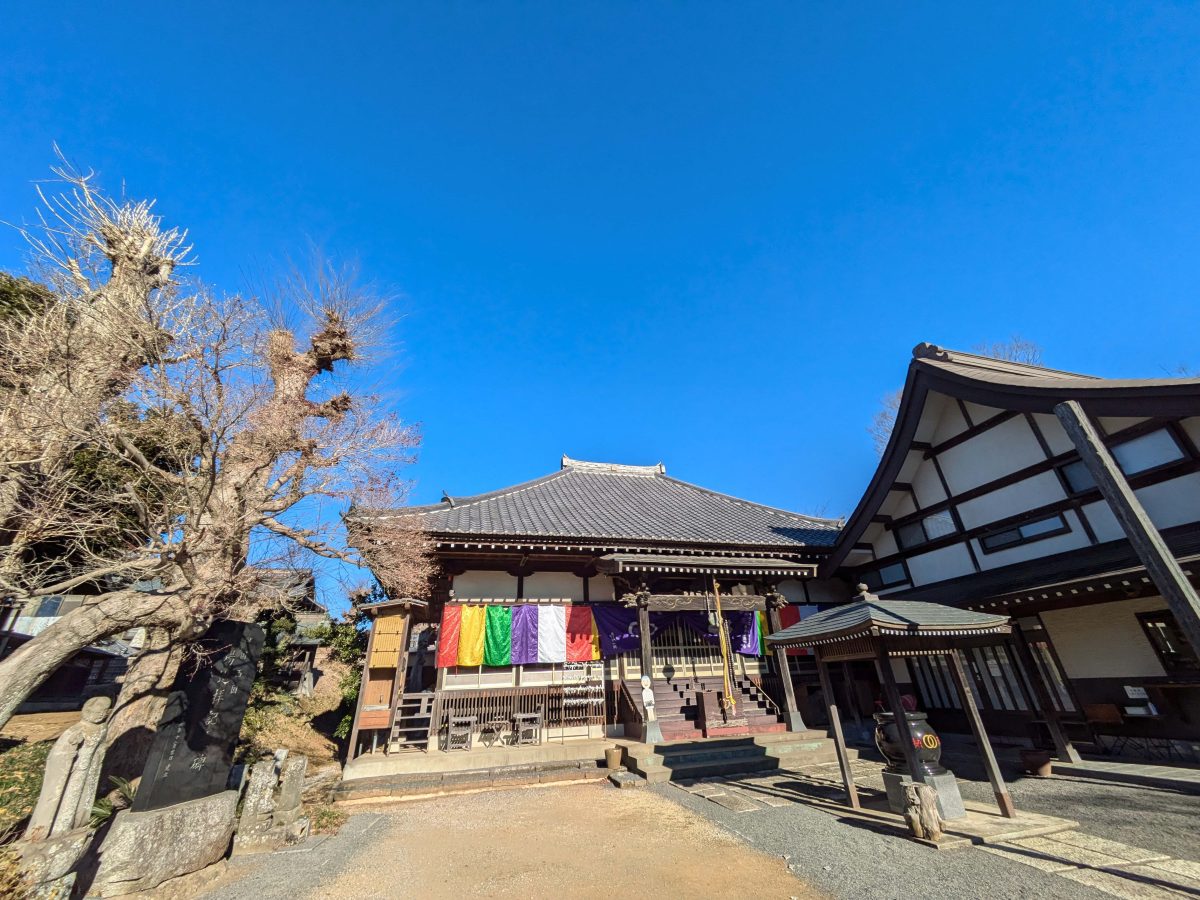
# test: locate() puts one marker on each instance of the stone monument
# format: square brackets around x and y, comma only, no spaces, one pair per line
[72,775]
[272,805]
[653,733]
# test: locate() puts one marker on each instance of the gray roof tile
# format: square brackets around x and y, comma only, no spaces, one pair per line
[601,501]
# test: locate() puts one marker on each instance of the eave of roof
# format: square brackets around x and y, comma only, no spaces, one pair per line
[1005,385]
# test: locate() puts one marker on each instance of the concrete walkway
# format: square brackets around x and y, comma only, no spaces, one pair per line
[1182,778]
[1109,866]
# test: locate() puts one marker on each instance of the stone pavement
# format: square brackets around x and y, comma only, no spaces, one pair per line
[1181,777]
[1109,866]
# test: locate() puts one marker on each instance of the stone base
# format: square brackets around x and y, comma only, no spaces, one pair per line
[145,849]
[792,718]
[49,865]
[950,803]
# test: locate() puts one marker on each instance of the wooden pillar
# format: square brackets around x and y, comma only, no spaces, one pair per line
[851,697]
[362,689]
[1063,747]
[795,722]
[999,788]
[1148,544]
[835,723]
[643,614]
[892,692]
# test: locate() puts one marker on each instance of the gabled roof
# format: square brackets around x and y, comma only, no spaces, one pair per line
[872,615]
[1011,386]
[604,502]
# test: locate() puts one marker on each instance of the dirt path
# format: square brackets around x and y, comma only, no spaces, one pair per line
[576,841]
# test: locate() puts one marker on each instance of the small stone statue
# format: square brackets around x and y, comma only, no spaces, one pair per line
[72,775]
[653,730]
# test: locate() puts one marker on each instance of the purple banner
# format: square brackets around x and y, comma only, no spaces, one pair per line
[617,627]
[524,634]
[743,630]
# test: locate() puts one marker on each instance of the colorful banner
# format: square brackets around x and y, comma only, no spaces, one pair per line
[497,636]
[583,641]
[552,634]
[618,629]
[470,641]
[524,635]
[447,650]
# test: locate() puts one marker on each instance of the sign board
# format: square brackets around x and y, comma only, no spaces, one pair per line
[192,752]
[1136,693]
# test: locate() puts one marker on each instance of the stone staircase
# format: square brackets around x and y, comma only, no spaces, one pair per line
[682,760]
[677,704]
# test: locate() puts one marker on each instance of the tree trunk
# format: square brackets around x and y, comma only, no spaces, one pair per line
[24,670]
[140,706]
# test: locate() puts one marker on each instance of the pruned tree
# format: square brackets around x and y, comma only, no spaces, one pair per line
[1015,349]
[241,448]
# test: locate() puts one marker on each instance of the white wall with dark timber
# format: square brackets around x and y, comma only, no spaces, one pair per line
[1105,640]
[1174,502]
[600,587]
[1073,540]
[1056,436]
[1192,427]
[1000,450]
[939,565]
[479,584]
[1011,500]
[554,586]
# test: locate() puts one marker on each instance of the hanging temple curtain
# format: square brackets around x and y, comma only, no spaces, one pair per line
[527,633]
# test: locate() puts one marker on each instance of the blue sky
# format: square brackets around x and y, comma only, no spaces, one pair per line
[708,234]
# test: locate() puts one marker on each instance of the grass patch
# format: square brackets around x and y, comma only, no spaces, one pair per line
[22,765]
[327,819]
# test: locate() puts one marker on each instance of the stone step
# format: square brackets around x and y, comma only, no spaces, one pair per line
[701,758]
[425,784]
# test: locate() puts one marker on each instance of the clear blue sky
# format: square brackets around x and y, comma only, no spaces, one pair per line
[707,234]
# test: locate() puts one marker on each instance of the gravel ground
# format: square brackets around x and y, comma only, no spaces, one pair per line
[846,859]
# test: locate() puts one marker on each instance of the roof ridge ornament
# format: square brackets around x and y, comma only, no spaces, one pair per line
[926,350]
[612,468]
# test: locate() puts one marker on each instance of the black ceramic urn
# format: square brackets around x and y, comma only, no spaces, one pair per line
[925,741]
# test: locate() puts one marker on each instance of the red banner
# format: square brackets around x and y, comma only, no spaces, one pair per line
[447,651]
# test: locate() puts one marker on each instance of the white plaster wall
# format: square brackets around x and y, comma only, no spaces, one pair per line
[1173,502]
[1104,640]
[1103,522]
[1007,447]
[1192,427]
[793,590]
[938,565]
[950,423]
[886,544]
[928,486]
[1073,540]
[1053,432]
[553,586]
[1012,500]
[901,504]
[477,584]
[600,587]
[979,413]
[1113,424]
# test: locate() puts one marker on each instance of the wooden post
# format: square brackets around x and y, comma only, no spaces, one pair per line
[643,614]
[362,689]
[1148,544]
[795,722]
[851,699]
[835,723]
[999,788]
[1063,747]
[892,692]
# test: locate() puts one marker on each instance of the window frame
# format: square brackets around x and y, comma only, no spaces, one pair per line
[903,544]
[1112,450]
[877,570]
[1188,669]
[1064,527]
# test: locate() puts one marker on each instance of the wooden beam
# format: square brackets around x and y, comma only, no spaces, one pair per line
[1148,544]
[362,689]
[835,724]
[1063,748]
[892,692]
[999,788]
[795,721]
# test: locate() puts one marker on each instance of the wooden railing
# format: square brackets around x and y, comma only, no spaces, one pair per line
[559,706]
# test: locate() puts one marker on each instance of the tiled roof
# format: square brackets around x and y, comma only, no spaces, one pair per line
[601,501]
[859,617]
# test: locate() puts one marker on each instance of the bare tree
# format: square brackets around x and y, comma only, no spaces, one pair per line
[255,448]
[1015,349]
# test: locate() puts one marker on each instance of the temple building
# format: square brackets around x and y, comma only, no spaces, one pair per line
[1071,504]
[555,596]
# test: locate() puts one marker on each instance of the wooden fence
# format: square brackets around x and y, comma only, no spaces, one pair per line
[563,706]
